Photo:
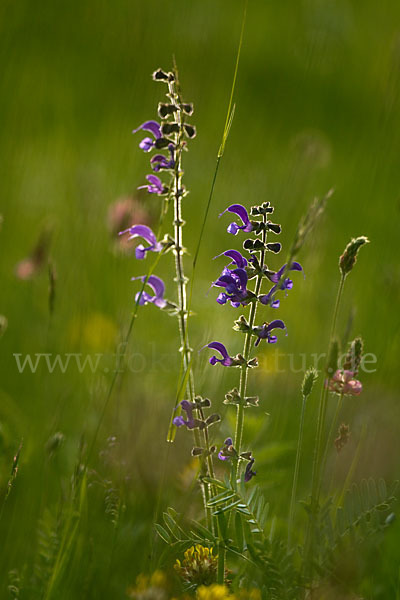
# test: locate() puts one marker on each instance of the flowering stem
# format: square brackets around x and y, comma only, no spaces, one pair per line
[246,353]
[296,472]
[181,279]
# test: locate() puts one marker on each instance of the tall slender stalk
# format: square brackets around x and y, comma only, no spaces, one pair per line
[246,352]
[316,469]
[296,472]
[181,281]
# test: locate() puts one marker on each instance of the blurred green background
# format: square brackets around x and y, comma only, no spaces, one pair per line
[317,106]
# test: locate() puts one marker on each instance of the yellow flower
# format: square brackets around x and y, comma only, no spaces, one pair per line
[199,565]
[214,592]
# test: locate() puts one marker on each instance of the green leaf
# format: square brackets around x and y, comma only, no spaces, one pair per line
[239,532]
[163,533]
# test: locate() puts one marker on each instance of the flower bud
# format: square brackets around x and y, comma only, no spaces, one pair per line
[310,378]
[349,256]
[354,355]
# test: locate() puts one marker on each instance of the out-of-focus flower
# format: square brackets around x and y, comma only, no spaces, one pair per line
[150,587]
[147,234]
[214,592]
[29,267]
[343,437]
[158,287]
[243,215]
[343,382]
[122,213]
[198,567]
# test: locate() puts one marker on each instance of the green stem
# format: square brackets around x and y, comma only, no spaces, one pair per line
[296,472]
[246,354]
[316,470]
[330,434]
[181,280]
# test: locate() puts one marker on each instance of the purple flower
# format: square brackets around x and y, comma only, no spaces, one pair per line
[235,283]
[237,258]
[287,284]
[249,473]
[146,233]
[264,332]
[155,185]
[227,451]
[226,360]
[190,421]
[242,213]
[275,277]
[153,127]
[159,161]
[158,287]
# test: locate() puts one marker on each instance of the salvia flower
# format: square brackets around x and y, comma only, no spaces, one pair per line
[147,234]
[190,422]
[236,257]
[226,360]
[249,473]
[159,161]
[243,215]
[343,382]
[264,332]
[228,451]
[155,185]
[158,287]
[235,284]
[285,284]
[153,127]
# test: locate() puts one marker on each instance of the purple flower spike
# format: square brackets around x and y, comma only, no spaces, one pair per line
[153,127]
[159,161]
[264,332]
[237,258]
[158,287]
[146,233]
[249,473]
[226,360]
[242,213]
[155,185]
